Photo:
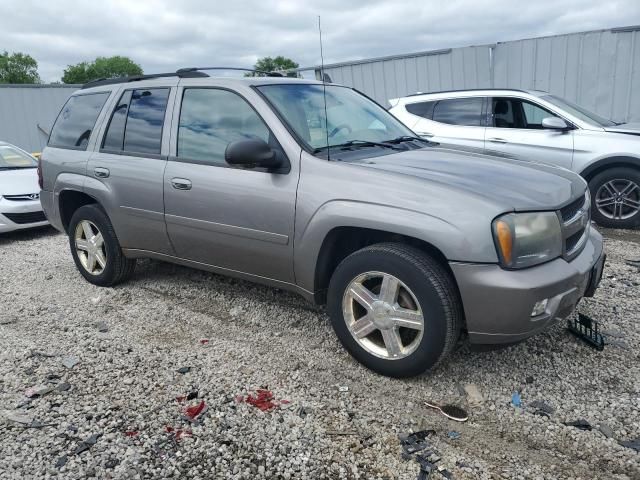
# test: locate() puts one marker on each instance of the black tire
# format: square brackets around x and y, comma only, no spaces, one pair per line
[612,174]
[432,286]
[118,268]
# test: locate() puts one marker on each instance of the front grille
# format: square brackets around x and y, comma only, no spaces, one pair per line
[22,218]
[576,218]
[22,198]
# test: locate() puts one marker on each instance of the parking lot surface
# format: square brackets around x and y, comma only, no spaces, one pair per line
[149,352]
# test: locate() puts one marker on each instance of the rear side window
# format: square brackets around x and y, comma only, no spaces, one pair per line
[76,120]
[421,109]
[210,119]
[459,111]
[136,123]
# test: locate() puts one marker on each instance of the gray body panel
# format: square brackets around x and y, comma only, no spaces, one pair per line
[270,227]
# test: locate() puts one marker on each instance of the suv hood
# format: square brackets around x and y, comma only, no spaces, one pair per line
[512,184]
[19,181]
[628,128]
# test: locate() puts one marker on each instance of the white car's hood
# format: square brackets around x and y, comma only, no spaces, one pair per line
[630,128]
[21,181]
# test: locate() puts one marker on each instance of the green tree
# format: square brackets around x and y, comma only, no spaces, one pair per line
[277,64]
[18,68]
[101,67]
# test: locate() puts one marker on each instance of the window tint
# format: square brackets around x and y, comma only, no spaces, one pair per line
[518,113]
[210,119]
[114,138]
[460,111]
[422,109]
[76,121]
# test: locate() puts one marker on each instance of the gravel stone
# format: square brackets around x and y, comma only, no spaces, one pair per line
[266,338]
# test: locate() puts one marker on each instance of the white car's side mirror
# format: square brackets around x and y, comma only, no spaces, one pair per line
[554,123]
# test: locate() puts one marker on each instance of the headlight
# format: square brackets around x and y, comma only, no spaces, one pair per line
[526,239]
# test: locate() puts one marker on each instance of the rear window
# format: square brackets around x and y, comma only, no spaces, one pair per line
[459,111]
[421,109]
[136,123]
[76,120]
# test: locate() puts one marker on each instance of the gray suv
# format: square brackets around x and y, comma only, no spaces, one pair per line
[316,189]
[533,125]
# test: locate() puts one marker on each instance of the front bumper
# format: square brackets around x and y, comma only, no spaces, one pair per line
[18,215]
[498,303]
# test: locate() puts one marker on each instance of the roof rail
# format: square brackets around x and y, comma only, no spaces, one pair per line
[188,72]
[464,90]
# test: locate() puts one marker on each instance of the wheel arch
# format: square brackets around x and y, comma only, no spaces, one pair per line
[610,162]
[69,201]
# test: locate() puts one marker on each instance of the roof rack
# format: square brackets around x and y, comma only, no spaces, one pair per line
[463,90]
[188,72]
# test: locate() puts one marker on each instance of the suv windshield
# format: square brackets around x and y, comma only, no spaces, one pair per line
[350,117]
[578,111]
[11,158]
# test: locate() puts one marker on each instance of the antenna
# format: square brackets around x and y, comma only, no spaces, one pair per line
[324,90]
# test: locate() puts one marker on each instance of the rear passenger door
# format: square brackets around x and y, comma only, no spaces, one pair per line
[127,169]
[238,220]
[452,121]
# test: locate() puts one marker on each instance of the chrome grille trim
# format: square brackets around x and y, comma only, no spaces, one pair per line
[579,222]
[23,197]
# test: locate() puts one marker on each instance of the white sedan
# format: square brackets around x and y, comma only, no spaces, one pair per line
[19,191]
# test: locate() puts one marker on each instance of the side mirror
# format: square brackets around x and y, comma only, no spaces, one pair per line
[554,123]
[252,153]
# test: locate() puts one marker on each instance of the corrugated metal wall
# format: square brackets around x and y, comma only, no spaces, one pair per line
[27,113]
[599,70]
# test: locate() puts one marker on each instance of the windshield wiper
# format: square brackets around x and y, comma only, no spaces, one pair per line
[358,143]
[409,138]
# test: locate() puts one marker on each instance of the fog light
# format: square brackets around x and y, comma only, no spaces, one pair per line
[540,307]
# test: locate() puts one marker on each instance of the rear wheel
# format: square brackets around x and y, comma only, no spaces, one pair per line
[95,248]
[615,198]
[395,309]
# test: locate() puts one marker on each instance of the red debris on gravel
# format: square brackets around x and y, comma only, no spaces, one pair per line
[181,399]
[195,410]
[131,433]
[178,433]
[263,400]
[204,341]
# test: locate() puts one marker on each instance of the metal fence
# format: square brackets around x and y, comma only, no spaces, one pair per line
[599,70]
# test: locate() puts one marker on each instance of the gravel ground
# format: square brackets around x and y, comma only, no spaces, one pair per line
[119,404]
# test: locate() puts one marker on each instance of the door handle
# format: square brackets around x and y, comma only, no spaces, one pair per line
[425,134]
[181,183]
[101,172]
[497,140]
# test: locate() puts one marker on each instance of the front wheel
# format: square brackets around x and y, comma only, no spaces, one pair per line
[615,198]
[95,248]
[395,309]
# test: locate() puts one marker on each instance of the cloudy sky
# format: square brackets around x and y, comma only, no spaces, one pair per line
[163,35]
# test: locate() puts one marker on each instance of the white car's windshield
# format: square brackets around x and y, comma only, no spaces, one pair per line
[350,117]
[12,158]
[579,112]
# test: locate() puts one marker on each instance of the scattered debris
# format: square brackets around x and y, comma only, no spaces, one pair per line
[632,263]
[111,463]
[541,408]
[102,327]
[87,444]
[586,329]
[192,412]
[70,362]
[343,388]
[18,418]
[633,444]
[178,433]
[8,322]
[189,396]
[63,387]
[204,341]
[427,457]
[95,300]
[450,411]
[606,430]
[184,370]
[580,424]
[453,435]
[474,397]
[53,376]
[529,380]
[516,401]
[36,353]
[37,391]
[62,461]
[263,400]
[131,433]
[415,442]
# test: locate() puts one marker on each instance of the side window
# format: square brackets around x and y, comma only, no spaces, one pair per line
[212,118]
[459,111]
[421,109]
[518,113]
[76,120]
[136,123]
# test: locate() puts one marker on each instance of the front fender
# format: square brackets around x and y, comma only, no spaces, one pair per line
[442,234]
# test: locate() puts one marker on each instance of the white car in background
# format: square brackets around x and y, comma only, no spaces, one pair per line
[537,126]
[19,191]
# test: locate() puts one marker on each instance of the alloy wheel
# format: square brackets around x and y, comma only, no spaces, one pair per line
[618,199]
[383,315]
[90,247]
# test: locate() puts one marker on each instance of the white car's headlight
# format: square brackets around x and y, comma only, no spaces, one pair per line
[527,239]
